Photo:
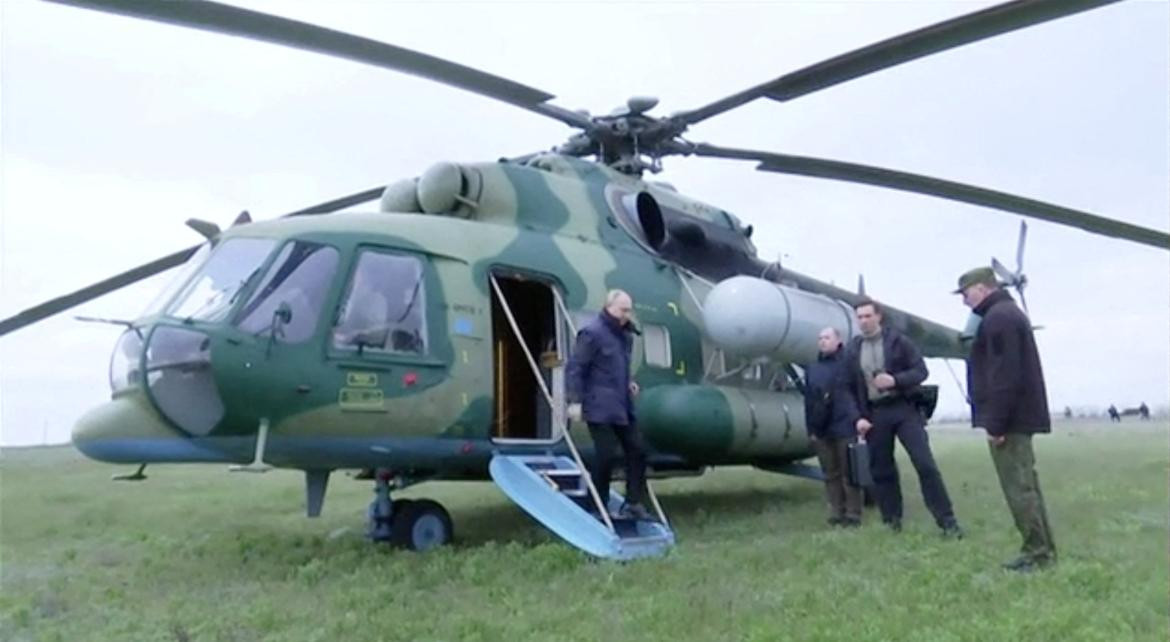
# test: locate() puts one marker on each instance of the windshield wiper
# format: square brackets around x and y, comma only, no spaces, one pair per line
[128,324]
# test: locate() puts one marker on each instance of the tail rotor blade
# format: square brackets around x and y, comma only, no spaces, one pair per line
[1005,275]
[1020,247]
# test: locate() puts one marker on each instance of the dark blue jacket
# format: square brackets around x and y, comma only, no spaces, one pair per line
[903,361]
[829,411]
[598,375]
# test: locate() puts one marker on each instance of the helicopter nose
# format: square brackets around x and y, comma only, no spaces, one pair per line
[128,430]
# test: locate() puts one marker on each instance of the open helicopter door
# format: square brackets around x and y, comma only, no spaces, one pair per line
[535,472]
[527,333]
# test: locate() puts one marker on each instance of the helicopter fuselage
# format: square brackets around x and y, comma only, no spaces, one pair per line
[412,341]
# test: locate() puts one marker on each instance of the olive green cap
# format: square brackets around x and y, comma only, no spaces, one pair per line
[983,275]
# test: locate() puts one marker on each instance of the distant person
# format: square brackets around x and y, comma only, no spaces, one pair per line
[1067,412]
[831,417]
[1144,412]
[1113,414]
[600,391]
[885,369]
[1009,401]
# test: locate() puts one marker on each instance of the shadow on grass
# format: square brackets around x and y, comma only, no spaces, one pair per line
[505,523]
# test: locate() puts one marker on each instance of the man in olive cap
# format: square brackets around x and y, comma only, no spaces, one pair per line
[1009,401]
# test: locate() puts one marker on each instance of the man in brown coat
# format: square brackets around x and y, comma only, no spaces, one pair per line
[1009,401]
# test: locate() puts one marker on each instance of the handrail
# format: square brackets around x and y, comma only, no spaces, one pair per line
[602,508]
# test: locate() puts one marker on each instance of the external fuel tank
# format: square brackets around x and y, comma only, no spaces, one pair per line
[752,317]
[720,423]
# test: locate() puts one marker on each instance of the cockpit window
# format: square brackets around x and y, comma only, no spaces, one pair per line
[167,293]
[385,306]
[298,278]
[209,295]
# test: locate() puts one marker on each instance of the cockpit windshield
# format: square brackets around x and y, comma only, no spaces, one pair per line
[178,280]
[297,282]
[210,294]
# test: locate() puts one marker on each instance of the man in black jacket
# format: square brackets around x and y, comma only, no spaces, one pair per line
[831,418]
[886,369]
[1009,401]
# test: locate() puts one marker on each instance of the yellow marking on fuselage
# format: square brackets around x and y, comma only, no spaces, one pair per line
[361,400]
[361,379]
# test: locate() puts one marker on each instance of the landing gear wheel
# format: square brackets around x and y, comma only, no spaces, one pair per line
[380,528]
[421,525]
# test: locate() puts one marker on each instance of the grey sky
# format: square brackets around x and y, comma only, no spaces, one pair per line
[114,131]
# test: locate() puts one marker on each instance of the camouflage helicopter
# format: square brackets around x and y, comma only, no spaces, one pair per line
[425,339]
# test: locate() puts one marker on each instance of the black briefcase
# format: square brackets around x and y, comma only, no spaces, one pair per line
[857,458]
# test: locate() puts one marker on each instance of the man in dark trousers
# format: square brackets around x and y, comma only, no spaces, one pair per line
[1009,401]
[885,369]
[831,417]
[600,391]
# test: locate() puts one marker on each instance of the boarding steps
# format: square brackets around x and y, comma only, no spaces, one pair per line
[555,491]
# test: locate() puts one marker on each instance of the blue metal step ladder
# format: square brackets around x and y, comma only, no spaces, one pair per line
[557,492]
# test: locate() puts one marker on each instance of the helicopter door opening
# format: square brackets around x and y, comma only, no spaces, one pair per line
[521,411]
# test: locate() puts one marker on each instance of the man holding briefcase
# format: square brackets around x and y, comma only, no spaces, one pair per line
[885,369]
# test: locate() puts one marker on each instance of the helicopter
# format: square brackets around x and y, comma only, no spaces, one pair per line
[543,235]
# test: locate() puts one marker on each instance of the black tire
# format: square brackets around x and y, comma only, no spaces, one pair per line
[422,525]
[398,506]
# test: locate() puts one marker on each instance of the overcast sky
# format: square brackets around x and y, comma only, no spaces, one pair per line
[114,131]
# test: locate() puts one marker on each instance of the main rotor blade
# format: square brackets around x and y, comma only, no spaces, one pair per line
[62,303]
[837,170]
[226,19]
[942,36]
[89,292]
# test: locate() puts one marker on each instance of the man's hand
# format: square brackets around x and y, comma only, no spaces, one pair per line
[634,388]
[863,426]
[575,411]
[997,440]
[884,381]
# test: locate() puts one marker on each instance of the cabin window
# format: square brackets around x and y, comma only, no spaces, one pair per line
[384,309]
[209,296]
[656,339]
[299,279]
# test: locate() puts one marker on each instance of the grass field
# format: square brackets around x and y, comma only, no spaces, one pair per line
[195,553]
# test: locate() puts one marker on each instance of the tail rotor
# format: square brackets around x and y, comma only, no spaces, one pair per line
[1016,279]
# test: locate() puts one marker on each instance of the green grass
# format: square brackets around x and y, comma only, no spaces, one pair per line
[195,553]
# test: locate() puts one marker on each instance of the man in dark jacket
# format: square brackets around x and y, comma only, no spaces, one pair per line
[600,391]
[831,416]
[886,369]
[1009,401]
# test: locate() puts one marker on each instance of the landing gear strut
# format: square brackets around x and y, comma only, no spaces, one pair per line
[418,525]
